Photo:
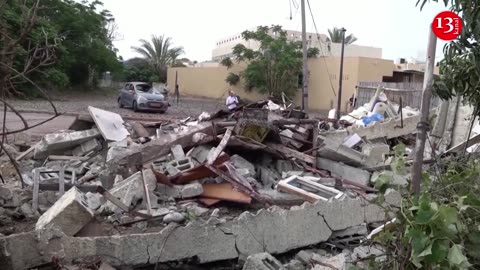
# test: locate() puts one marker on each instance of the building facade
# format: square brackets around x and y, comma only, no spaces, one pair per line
[209,82]
[224,47]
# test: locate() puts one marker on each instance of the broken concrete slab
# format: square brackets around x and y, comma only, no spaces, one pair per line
[57,143]
[131,190]
[343,171]
[86,147]
[271,230]
[110,124]
[70,213]
[173,217]
[355,230]
[262,261]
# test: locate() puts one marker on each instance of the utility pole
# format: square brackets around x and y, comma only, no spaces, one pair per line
[340,80]
[422,127]
[305,67]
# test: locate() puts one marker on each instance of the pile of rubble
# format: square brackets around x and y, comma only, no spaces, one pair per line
[228,186]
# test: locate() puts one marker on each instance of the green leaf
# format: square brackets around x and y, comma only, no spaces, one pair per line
[448,214]
[418,240]
[439,252]
[424,216]
[427,251]
[455,256]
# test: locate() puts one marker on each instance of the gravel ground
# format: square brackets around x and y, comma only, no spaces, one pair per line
[78,103]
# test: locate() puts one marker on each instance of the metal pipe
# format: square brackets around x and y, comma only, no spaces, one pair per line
[305,66]
[340,80]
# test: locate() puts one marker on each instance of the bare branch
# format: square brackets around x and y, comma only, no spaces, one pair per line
[14,163]
[6,104]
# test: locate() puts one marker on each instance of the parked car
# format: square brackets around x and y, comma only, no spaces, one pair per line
[142,96]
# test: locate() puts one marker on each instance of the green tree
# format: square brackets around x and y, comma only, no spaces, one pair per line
[274,67]
[160,53]
[335,36]
[86,48]
[460,67]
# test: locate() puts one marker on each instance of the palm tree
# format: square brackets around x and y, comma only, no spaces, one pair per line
[159,53]
[335,36]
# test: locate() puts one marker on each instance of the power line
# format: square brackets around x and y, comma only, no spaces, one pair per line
[321,49]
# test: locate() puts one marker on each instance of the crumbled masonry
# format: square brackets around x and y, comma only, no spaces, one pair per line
[249,187]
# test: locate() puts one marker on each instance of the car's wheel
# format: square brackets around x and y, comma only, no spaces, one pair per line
[134,106]
[120,103]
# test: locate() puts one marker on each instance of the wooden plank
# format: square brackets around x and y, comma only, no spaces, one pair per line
[225,192]
[290,153]
[110,124]
[24,154]
[473,140]
[208,201]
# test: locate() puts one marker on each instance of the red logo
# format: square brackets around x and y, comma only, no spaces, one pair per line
[447,25]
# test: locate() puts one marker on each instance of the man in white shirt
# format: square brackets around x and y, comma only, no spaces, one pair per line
[232,100]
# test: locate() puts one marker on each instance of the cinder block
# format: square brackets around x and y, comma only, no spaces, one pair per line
[70,213]
[88,146]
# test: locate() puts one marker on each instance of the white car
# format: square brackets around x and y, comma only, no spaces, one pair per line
[142,96]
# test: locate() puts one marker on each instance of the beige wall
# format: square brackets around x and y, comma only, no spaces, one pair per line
[324,75]
[208,82]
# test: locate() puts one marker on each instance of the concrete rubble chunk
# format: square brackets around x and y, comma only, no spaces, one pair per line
[338,262]
[355,230]
[200,153]
[177,152]
[375,153]
[268,177]
[281,198]
[304,256]
[395,179]
[174,217]
[262,261]
[131,190]
[57,143]
[5,193]
[295,265]
[241,163]
[179,191]
[343,171]
[70,213]
[86,147]
[363,252]
[393,197]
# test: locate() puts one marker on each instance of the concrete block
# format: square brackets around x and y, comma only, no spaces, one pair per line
[88,146]
[262,261]
[295,265]
[200,153]
[176,166]
[393,197]
[344,171]
[177,152]
[57,143]
[70,213]
[180,192]
[241,163]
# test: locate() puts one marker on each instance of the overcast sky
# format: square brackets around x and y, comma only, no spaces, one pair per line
[396,26]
